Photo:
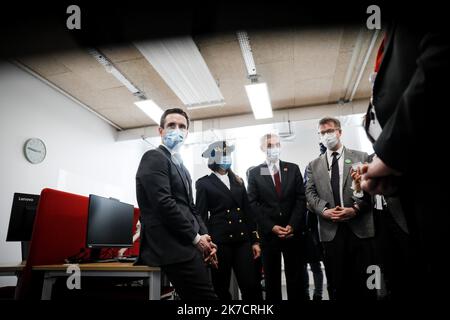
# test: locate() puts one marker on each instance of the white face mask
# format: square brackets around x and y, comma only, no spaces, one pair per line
[273,154]
[330,140]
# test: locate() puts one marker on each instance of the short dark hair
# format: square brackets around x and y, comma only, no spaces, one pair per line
[170,111]
[325,120]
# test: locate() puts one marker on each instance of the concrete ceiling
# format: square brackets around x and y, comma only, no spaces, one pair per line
[301,68]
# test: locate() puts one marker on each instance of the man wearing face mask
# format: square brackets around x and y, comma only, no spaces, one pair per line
[174,236]
[222,202]
[346,226]
[277,196]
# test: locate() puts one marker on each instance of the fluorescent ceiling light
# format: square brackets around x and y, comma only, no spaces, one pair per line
[258,95]
[116,73]
[179,62]
[151,109]
[246,49]
[113,70]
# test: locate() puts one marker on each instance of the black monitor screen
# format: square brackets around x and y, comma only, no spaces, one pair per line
[21,221]
[110,223]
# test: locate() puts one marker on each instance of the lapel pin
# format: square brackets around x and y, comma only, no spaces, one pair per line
[285,169]
[348,161]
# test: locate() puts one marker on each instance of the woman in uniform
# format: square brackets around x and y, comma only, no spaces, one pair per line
[221,199]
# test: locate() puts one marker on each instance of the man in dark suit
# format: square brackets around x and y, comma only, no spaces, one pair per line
[277,196]
[346,226]
[410,97]
[174,236]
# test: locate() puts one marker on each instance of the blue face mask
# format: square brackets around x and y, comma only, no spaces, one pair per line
[224,162]
[173,138]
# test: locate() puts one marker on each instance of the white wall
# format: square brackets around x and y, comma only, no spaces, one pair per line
[82,154]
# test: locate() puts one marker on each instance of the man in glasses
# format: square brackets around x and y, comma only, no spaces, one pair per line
[346,226]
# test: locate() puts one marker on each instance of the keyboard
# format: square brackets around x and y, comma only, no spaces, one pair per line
[127,259]
[103,260]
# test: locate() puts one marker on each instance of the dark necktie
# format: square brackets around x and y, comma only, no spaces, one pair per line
[276,178]
[335,179]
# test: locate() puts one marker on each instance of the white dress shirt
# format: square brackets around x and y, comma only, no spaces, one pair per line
[224,178]
[176,157]
[340,157]
[374,127]
[272,170]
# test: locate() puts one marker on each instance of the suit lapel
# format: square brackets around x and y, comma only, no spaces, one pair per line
[324,171]
[347,166]
[236,192]
[219,184]
[182,176]
[324,165]
[284,174]
[188,179]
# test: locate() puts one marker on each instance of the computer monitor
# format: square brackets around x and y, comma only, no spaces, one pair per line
[21,222]
[110,224]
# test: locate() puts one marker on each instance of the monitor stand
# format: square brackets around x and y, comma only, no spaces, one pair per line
[94,257]
[25,248]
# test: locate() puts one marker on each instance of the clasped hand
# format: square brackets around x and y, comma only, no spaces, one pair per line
[209,250]
[339,214]
[376,178]
[283,232]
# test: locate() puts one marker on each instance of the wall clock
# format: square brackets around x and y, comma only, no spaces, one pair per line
[35,150]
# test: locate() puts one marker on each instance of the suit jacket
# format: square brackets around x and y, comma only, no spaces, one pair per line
[320,196]
[395,208]
[271,210]
[169,219]
[226,212]
[410,96]
[411,83]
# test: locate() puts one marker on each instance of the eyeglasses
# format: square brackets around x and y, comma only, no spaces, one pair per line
[322,133]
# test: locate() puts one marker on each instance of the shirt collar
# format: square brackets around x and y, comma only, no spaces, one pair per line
[170,151]
[220,175]
[270,164]
[339,151]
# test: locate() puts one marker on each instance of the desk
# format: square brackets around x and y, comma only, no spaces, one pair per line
[12,270]
[106,269]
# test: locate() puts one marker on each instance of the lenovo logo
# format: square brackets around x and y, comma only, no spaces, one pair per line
[26,199]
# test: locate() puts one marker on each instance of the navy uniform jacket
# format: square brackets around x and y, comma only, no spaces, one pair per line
[226,212]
